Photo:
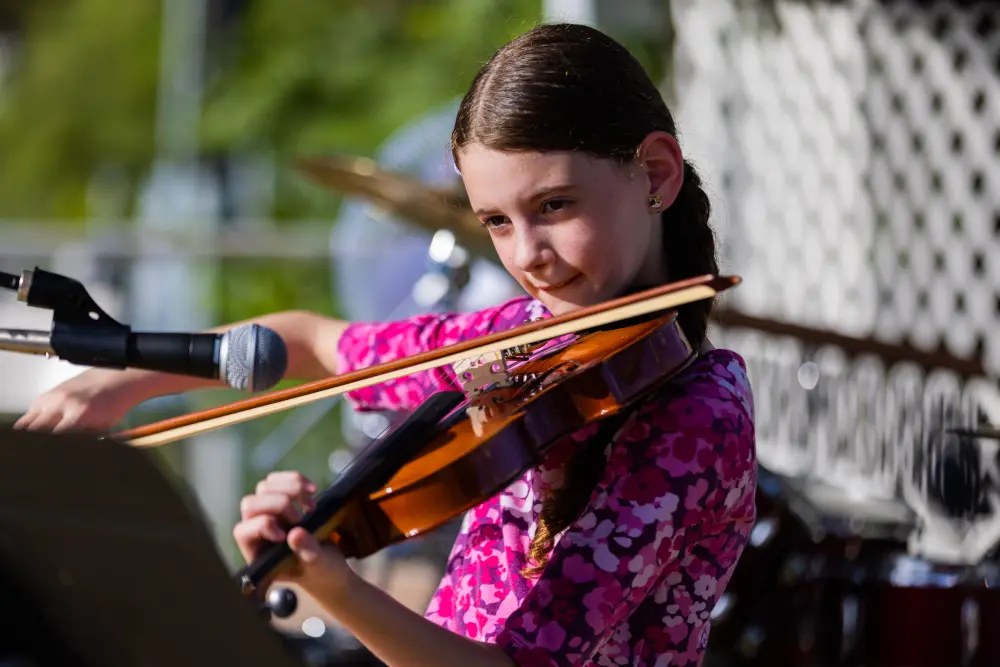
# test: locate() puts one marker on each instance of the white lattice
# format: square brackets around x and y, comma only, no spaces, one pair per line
[879,433]
[774,123]
[854,159]
[933,105]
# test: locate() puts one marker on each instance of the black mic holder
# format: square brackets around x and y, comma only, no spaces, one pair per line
[82,333]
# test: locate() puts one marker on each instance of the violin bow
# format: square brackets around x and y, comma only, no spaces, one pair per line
[639,304]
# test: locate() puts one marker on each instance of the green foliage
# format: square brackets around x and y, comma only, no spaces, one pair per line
[303,77]
[289,78]
[82,95]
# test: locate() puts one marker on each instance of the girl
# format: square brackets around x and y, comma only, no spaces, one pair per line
[615,550]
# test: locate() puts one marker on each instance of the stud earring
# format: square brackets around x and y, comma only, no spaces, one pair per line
[655,202]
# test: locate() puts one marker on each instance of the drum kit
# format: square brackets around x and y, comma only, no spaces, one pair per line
[825,580]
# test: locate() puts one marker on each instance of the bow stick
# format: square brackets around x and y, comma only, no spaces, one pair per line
[639,304]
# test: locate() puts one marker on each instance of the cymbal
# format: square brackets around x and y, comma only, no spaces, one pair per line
[993,433]
[427,207]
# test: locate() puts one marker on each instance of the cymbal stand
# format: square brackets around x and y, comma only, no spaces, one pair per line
[447,273]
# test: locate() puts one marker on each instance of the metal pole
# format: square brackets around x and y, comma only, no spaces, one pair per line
[570,11]
[178,105]
[170,294]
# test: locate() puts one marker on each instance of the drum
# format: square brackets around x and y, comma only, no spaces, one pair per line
[908,612]
[746,627]
[789,600]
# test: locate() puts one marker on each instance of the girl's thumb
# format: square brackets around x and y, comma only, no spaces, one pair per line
[304,546]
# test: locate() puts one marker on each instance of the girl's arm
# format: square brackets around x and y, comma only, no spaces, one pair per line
[400,637]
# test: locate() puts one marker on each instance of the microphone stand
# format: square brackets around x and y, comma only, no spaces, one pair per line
[66,297]
[9,281]
[447,274]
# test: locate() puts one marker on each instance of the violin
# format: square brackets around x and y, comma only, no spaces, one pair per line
[522,391]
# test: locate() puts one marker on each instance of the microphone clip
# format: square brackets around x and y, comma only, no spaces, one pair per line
[82,332]
[67,298]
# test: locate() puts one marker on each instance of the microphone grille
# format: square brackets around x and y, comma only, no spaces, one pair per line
[256,358]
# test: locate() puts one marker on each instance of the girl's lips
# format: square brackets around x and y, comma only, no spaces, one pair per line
[559,286]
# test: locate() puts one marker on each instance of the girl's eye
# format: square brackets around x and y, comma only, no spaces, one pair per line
[549,207]
[555,205]
[495,221]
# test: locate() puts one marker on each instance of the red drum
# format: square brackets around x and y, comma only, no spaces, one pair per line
[909,612]
[826,582]
[782,606]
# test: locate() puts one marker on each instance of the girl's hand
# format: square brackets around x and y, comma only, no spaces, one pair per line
[280,501]
[94,400]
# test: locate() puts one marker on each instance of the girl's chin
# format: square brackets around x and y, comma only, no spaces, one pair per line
[559,307]
[565,303]
[578,293]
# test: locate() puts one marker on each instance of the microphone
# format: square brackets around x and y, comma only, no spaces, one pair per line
[249,357]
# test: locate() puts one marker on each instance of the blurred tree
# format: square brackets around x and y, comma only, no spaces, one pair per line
[77,116]
[285,78]
[81,95]
[12,13]
[300,77]
[303,77]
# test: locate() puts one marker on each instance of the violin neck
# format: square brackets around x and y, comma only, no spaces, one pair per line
[366,474]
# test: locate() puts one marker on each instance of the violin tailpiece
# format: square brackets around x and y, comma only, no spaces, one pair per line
[483,373]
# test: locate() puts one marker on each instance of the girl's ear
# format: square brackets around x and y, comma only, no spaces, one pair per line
[660,156]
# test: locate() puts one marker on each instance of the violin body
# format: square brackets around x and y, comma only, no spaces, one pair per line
[488,439]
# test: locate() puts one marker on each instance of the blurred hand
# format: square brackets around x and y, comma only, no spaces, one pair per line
[280,501]
[94,400]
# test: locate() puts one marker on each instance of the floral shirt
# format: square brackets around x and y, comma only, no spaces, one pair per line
[634,580]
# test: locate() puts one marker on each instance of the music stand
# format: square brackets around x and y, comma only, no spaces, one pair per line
[104,563]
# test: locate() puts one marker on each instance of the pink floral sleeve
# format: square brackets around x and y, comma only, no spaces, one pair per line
[365,344]
[643,567]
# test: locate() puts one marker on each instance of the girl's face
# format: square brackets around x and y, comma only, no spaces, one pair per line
[572,229]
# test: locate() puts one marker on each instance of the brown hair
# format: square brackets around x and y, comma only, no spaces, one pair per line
[571,87]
